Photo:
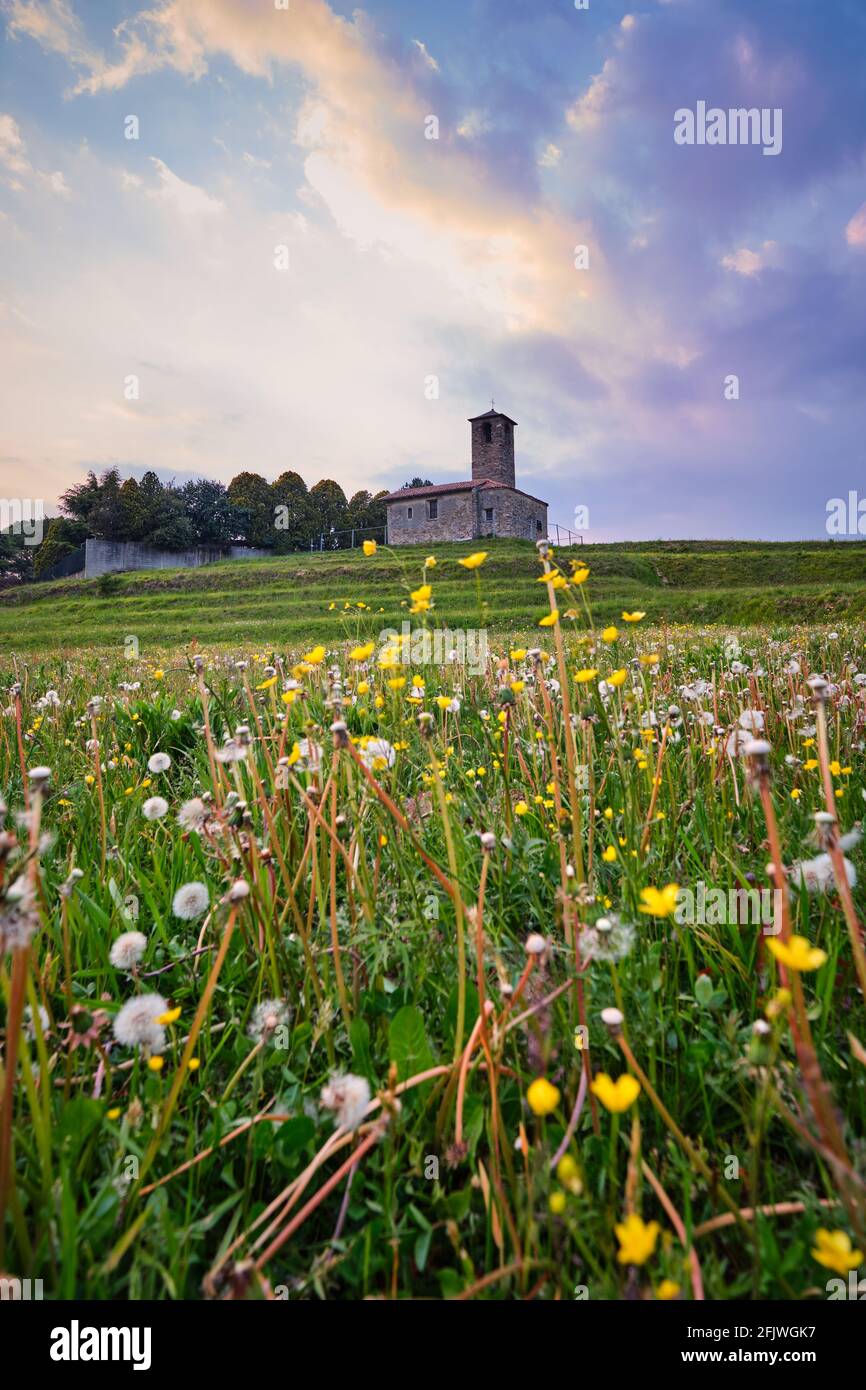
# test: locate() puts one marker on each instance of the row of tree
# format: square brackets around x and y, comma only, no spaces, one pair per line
[281,516]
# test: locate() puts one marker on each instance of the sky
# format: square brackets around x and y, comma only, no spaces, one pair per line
[338,231]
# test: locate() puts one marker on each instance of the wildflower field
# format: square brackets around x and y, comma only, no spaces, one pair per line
[333,972]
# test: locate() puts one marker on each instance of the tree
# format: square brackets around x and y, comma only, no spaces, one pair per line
[62,537]
[294,513]
[254,499]
[418,482]
[79,501]
[330,512]
[213,518]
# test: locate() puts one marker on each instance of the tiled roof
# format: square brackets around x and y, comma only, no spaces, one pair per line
[405,493]
[428,491]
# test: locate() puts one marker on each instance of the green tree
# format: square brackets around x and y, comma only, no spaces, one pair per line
[254,499]
[330,512]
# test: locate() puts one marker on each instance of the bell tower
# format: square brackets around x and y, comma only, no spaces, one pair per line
[493,447]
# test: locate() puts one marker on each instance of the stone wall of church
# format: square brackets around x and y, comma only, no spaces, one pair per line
[514,514]
[455,520]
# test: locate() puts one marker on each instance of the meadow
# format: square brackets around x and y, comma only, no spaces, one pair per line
[311,597]
[329,975]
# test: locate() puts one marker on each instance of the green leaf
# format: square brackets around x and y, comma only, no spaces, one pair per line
[359,1037]
[407,1042]
[293,1136]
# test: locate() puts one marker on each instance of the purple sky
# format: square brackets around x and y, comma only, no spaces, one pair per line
[411,258]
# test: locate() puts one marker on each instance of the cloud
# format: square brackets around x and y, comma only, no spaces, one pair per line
[19,170]
[855,232]
[426,55]
[751,263]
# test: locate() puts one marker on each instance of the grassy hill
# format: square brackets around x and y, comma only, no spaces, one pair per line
[301,598]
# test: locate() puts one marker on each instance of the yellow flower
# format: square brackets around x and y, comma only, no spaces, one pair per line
[580,574]
[667,1290]
[587,675]
[294,755]
[616,677]
[430,562]
[170,1016]
[266,685]
[369,547]
[659,902]
[90,779]
[796,794]
[616,1096]
[567,1170]
[521,808]
[542,1097]
[610,634]
[113,1114]
[362,653]
[421,599]
[518,687]
[650,660]
[474,562]
[609,855]
[632,617]
[194,1063]
[383,840]
[810,764]
[549,619]
[637,1241]
[396,682]
[315,657]
[158,675]
[156,1063]
[556,1203]
[833,1251]
[835,767]
[517,653]
[796,953]
[362,687]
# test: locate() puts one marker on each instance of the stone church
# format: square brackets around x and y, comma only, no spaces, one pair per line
[487,504]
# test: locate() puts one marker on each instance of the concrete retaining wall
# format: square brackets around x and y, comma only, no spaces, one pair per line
[108,557]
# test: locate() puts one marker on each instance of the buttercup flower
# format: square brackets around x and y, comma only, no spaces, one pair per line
[616,1096]
[369,547]
[834,1251]
[637,1241]
[659,902]
[542,1097]
[797,953]
[473,562]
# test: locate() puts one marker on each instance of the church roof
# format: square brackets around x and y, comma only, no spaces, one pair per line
[472,484]
[427,491]
[492,415]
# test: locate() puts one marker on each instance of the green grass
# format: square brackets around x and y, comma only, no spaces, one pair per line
[288,600]
[375,913]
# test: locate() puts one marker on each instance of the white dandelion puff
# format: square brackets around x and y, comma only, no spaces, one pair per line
[127,950]
[267,1017]
[159,762]
[190,901]
[348,1096]
[192,814]
[135,1025]
[155,808]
